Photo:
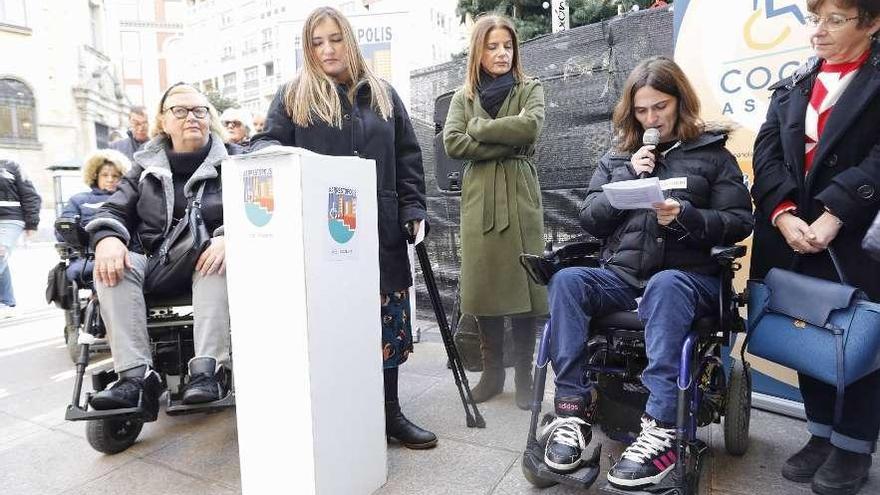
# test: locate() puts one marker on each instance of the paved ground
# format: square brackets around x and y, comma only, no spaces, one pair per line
[41,454]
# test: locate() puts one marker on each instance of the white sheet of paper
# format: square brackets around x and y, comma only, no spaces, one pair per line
[420,235]
[634,194]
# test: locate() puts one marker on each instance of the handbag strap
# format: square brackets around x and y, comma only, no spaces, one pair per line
[834,261]
[195,204]
[197,201]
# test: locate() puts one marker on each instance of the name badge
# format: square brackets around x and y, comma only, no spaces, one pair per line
[674,183]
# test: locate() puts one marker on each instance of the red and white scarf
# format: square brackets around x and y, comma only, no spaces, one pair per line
[831,82]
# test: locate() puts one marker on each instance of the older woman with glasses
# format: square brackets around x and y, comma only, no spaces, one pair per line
[817,186]
[183,157]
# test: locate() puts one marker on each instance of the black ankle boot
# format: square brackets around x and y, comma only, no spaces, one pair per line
[404,431]
[131,390]
[801,467]
[524,352]
[492,347]
[844,473]
[207,381]
[523,379]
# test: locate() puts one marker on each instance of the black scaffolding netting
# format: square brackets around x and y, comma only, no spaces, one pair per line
[582,70]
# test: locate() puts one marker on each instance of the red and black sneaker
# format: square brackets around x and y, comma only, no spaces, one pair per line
[647,460]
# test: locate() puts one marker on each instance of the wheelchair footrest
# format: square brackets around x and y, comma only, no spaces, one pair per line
[583,477]
[662,488]
[177,408]
[75,413]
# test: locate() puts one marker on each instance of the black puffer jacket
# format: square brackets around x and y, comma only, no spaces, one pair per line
[18,198]
[716,210]
[399,175]
[143,203]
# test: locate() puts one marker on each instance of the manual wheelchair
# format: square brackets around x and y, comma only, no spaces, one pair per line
[170,328]
[616,357]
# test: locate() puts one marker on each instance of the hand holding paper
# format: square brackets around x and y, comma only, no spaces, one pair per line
[634,194]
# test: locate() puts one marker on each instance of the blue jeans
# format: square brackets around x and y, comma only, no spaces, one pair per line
[10,230]
[672,300]
[860,425]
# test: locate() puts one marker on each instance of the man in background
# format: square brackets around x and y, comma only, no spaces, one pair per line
[138,133]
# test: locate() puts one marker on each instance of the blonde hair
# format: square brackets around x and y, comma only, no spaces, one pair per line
[213,119]
[96,161]
[481,30]
[312,94]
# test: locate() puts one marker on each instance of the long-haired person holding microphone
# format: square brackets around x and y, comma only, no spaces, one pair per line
[494,122]
[661,255]
[337,106]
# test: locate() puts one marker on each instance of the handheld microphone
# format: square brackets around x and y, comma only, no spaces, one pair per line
[652,138]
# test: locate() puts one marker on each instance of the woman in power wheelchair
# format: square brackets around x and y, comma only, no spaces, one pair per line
[177,170]
[101,172]
[665,257]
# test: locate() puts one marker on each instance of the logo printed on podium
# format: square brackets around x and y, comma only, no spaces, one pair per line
[342,213]
[259,195]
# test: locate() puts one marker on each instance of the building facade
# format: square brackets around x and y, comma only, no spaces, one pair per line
[145,43]
[245,49]
[60,94]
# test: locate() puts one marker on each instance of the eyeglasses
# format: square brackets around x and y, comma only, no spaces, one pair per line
[232,123]
[833,22]
[182,112]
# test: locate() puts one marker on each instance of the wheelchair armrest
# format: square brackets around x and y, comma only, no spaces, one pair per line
[72,232]
[538,268]
[727,254]
[569,250]
[541,268]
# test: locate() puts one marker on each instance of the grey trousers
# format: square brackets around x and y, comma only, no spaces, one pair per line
[125,315]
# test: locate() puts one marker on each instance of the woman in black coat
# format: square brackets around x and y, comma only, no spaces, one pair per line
[337,106]
[817,185]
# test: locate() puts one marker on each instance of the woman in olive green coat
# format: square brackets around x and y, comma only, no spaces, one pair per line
[493,123]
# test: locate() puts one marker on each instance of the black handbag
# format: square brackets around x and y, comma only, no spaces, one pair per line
[827,330]
[170,270]
[58,288]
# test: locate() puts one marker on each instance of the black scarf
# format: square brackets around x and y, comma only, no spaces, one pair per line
[183,165]
[493,91]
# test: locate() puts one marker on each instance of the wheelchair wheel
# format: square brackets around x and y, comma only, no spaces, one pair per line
[112,435]
[71,333]
[534,480]
[738,410]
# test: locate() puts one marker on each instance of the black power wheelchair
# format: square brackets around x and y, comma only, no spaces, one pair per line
[75,294]
[616,358]
[170,327]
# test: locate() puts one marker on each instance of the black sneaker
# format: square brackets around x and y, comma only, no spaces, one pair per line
[647,460]
[207,381]
[126,392]
[567,436]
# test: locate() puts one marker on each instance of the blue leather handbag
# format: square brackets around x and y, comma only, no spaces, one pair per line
[827,330]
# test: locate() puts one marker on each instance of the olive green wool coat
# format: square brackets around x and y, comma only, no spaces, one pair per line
[501,212]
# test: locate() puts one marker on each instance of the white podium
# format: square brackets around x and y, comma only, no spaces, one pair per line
[303,278]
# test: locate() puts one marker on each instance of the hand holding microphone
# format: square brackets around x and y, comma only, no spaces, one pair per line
[643,160]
